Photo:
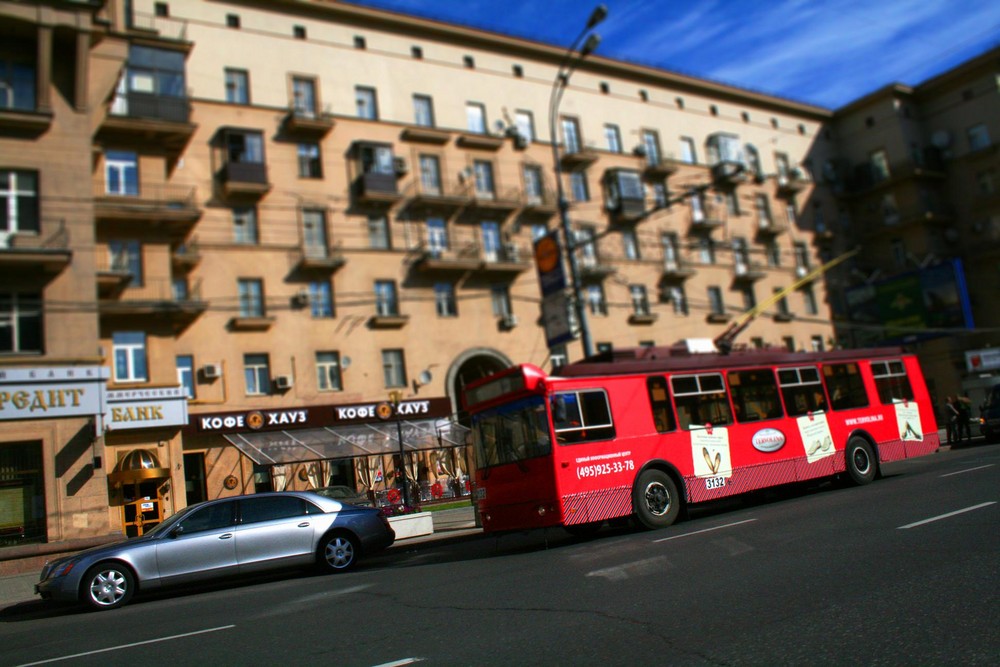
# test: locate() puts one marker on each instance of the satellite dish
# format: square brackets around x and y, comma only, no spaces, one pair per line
[426,377]
[345,363]
[941,139]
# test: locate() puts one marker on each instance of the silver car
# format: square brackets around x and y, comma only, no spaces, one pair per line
[220,538]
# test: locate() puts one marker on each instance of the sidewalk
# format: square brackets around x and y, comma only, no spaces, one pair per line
[447,524]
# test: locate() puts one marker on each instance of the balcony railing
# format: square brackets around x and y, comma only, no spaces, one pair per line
[164,203]
[156,297]
[28,250]
[165,27]
[244,178]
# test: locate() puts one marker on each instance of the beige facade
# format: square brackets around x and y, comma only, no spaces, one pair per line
[297,205]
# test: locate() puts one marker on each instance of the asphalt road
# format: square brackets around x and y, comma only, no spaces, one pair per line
[903,571]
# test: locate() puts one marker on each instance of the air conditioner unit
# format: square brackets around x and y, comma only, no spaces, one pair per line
[639,150]
[283,382]
[520,141]
[211,371]
[400,166]
[508,321]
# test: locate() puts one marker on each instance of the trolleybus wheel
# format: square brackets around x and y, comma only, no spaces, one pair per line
[655,499]
[861,462]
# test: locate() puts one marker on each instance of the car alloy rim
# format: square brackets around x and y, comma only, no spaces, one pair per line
[339,552]
[107,587]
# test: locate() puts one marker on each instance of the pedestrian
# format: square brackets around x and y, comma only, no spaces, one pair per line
[964,406]
[951,417]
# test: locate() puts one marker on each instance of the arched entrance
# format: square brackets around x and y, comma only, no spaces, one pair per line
[140,481]
[472,365]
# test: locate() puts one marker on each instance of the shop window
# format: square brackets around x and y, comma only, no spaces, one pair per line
[22,494]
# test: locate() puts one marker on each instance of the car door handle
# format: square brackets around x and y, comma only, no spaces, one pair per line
[304,524]
[225,536]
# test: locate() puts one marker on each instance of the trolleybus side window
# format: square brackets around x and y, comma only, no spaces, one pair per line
[701,399]
[845,386]
[582,416]
[802,390]
[659,404]
[891,381]
[515,432]
[755,395]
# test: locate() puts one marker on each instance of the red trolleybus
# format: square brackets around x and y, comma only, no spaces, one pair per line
[642,431]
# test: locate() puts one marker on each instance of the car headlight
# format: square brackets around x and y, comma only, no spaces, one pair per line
[61,569]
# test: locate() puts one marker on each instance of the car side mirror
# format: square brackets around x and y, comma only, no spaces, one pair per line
[177,530]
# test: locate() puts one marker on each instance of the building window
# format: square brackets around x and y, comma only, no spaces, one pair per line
[314,238]
[816,342]
[299,31]
[423,110]
[475,117]
[524,123]
[304,97]
[245,225]
[533,184]
[444,300]
[430,175]
[732,203]
[706,250]
[237,86]
[578,186]
[878,161]
[782,303]
[18,203]
[310,165]
[393,368]
[979,137]
[613,138]
[366,103]
[328,371]
[320,299]
[233,21]
[763,212]
[359,42]
[251,297]
[125,256]
[500,299]
[809,297]
[378,232]
[257,373]
[386,302]
[24,483]
[773,253]
[670,244]
[678,299]
[749,298]
[630,244]
[596,301]
[688,153]
[485,188]
[716,306]
[558,357]
[517,70]
[605,87]
[651,142]
[416,52]
[469,62]
[245,147]
[17,77]
[801,258]
[185,373]
[20,322]
[121,173]
[129,350]
[571,135]
[154,80]
[640,300]
[437,237]
[489,233]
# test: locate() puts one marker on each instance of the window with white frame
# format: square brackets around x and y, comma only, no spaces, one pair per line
[651,142]
[483,170]
[475,117]
[245,225]
[640,300]
[437,237]
[688,153]
[129,352]
[386,300]
[314,238]
[430,174]
[366,103]
[524,121]
[185,373]
[678,299]
[310,164]
[251,297]
[533,184]
[17,78]
[670,244]
[20,322]
[237,86]
[125,256]
[630,244]
[18,203]
[489,236]
[613,138]
[393,368]
[257,374]
[304,97]
[378,232]
[500,299]
[716,305]
[595,300]
[444,300]
[763,210]
[578,186]
[423,110]
[121,173]
[809,299]
[328,376]
[706,249]
[571,135]
[320,299]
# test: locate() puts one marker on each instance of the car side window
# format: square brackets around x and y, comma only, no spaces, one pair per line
[212,517]
[269,508]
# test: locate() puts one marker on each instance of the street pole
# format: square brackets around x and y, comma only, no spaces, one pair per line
[571,60]
[395,397]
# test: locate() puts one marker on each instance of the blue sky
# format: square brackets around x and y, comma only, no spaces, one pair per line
[826,53]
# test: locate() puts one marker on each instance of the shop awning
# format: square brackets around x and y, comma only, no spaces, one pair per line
[344,442]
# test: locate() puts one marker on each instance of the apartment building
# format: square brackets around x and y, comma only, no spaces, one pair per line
[264,245]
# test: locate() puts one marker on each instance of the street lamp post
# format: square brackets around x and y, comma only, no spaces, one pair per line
[570,61]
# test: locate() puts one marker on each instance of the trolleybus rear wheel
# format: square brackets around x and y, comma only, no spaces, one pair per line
[861,462]
[655,499]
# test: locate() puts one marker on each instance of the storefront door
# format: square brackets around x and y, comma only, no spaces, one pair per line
[143,507]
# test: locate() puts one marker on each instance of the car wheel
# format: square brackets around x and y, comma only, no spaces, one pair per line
[655,499]
[338,553]
[108,586]
[861,462]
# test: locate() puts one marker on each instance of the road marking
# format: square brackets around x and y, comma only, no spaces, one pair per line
[962,472]
[399,663]
[706,530]
[117,648]
[635,568]
[946,516]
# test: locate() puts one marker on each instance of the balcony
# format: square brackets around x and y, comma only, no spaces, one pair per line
[467,256]
[489,202]
[376,188]
[674,271]
[642,318]
[624,196]
[388,318]
[790,183]
[593,268]
[509,260]
[154,298]
[747,272]
[660,169]
[169,207]
[244,179]
[26,251]
[31,121]
[308,123]
[769,228]
[185,256]
[425,135]
[156,119]
[728,173]
[542,204]
[707,220]
[319,259]
[442,261]
[718,318]
[437,194]
[578,159]
[483,142]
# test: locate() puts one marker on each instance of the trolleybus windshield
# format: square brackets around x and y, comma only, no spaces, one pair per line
[511,433]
